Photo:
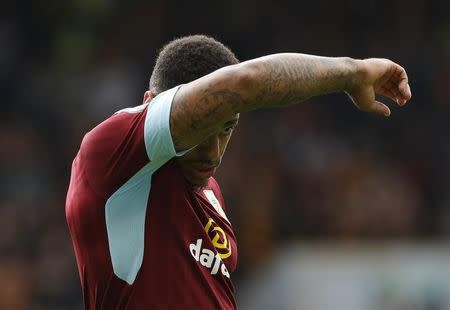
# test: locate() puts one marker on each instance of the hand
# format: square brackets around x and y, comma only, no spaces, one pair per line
[379,76]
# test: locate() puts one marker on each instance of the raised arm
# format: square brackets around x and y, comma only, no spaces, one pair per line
[202,107]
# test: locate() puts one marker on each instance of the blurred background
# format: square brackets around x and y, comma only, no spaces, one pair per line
[333,208]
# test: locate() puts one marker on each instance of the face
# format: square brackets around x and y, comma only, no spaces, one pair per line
[199,164]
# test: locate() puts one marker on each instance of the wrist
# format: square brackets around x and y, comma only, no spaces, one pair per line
[354,69]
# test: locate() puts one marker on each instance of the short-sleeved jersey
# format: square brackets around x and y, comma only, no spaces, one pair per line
[144,238]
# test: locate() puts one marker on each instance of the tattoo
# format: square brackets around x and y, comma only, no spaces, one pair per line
[293,80]
[280,80]
[193,120]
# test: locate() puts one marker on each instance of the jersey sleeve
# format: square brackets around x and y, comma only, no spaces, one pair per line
[123,144]
[158,139]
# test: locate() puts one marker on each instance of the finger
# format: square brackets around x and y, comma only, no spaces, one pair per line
[397,91]
[402,86]
[365,101]
[405,91]
[388,92]
[380,108]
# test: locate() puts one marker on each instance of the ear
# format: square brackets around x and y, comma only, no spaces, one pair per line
[148,96]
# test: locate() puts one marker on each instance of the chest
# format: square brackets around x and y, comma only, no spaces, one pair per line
[192,225]
[217,231]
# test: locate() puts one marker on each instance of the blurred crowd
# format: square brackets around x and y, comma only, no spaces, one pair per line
[321,170]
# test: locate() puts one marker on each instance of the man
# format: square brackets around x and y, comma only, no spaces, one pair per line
[147,218]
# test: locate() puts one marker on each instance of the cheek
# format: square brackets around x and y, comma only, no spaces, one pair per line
[224,143]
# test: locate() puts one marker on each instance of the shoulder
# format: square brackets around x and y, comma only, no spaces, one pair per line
[114,150]
[118,125]
[121,135]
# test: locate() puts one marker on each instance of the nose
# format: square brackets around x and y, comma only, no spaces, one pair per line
[210,148]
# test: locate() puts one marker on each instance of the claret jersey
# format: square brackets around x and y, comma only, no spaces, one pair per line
[143,237]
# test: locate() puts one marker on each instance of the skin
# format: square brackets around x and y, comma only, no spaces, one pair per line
[205,111]
[199,164]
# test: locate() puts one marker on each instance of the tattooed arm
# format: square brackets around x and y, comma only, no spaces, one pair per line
[202,107]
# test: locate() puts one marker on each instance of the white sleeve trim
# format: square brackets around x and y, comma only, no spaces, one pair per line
[157,136]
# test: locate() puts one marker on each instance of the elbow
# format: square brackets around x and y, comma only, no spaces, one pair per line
[246,76]
[245,80]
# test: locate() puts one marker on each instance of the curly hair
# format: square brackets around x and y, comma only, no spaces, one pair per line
[186,59]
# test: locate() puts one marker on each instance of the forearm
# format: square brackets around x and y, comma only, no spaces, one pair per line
[284,79]
[203,105]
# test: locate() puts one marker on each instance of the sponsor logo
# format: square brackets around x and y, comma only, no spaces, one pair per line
[219,239]
[208,258]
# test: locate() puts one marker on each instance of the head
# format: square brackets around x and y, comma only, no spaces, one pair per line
[182,61]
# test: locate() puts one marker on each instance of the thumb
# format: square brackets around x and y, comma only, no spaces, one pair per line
[380,108]
[365,101]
